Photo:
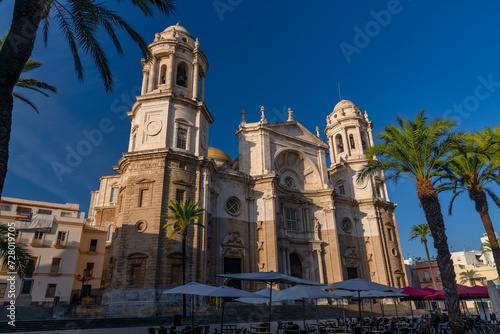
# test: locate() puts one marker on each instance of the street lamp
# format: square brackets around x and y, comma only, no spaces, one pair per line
[87,276]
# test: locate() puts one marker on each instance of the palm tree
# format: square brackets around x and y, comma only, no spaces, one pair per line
[486,247]
[29,83]
[183,215]
[471,277]
[22,264]
[415,151]
[422,231]
[80,22]
[469,171]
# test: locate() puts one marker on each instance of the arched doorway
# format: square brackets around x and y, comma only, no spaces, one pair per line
[295,266]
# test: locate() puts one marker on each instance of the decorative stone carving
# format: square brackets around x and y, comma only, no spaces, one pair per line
[260,245]
[351,258]
[232,246]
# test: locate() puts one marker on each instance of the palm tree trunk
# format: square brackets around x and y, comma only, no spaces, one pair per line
[429,198]
[430,266]
[15,52]
[184,313]
[481,203]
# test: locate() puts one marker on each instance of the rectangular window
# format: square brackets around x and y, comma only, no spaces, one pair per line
[426,276]
[65,214]
[179,195]
[176,275]
[291,219]
[61,236]
[114,195]
[389,233]
[5,207]
[143,197]
[23,209]
[341,190]
[3,288]
[51,291]
[93,245]
[135,275]
[45,212]
[38,235]
[89,269]
[56,265]
[181,138]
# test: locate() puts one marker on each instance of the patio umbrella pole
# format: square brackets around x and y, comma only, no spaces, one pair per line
[192,311]
[303,312]
[396,307]
[270,302]
[382,308]
[411,309]
[222,318]
[359,307]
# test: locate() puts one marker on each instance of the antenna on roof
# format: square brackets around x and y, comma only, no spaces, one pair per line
[341,97]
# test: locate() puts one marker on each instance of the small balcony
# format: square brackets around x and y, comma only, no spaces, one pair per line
[61,243]
[37,242]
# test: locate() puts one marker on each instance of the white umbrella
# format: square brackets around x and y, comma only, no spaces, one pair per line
[304,292]
[359,284]
[191,288]
[264,292]
[271,278]
[227,291]
[494,298]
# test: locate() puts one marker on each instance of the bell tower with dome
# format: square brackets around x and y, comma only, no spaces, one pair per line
[364,212]
[170,112]
[167,159]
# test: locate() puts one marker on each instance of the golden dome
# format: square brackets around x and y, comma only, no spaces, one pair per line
[216,154]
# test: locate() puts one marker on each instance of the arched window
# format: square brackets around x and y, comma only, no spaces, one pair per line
[163,74]
[339,143]
[295,266]
[351,142]
[181,79]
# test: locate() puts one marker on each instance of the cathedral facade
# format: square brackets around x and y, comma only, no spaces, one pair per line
[278,206]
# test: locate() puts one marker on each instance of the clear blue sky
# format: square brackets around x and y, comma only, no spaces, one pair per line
[279,54]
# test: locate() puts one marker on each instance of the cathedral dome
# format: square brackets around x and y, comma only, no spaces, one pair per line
[178,29]
[216,154]
[344,104]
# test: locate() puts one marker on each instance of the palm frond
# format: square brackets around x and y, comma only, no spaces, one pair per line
[35,84]
[25,100]
[31,65]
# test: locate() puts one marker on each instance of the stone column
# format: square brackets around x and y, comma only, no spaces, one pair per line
[333,158]
[370,137]
[152,71]
[347,145]
[195,80]
[202,89]
[170,72]
[320,266]
[144,87]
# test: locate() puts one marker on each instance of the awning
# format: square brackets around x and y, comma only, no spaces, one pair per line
[38,222]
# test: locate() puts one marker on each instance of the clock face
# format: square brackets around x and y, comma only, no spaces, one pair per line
[153,127]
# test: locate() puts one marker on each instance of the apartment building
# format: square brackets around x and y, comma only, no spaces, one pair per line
[60,245]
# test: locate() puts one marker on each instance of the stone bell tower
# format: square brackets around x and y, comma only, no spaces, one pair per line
[369,242]
[166,160]
[170,112]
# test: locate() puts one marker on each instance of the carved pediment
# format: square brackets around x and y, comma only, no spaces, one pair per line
[232,246]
